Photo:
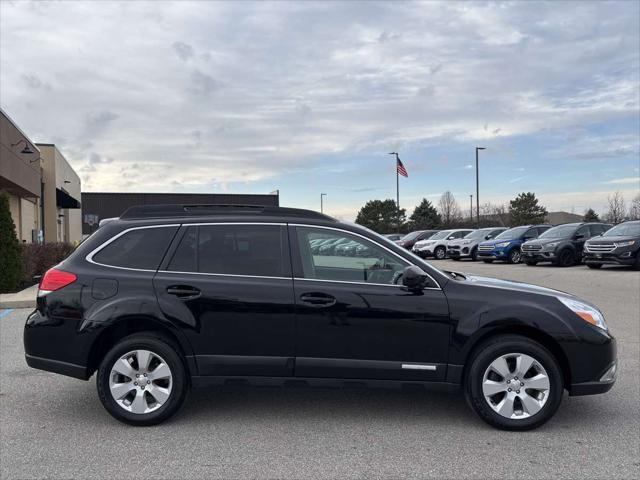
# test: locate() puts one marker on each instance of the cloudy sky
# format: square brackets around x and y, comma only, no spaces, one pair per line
[309,97]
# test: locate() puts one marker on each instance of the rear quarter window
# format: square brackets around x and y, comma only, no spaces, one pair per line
[141,249]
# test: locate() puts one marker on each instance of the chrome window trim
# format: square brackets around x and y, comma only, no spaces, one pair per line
[90,255]
[404,260]
[225,275]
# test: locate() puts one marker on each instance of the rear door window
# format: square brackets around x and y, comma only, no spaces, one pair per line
[141,248]
[251,250]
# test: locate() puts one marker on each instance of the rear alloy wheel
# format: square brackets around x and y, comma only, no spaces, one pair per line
[514,383]
[566,258]
[440,253]
[515,256]
[142,380]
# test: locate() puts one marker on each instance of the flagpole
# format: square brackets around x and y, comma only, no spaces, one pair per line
[397,196]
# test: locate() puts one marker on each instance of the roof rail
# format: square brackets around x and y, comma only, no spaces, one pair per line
[195,210]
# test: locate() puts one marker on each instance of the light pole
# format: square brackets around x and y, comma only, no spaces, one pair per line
[321,204]
[478,188]
[471,207]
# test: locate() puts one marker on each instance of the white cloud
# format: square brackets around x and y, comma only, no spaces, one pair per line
[272,87]
[625,181]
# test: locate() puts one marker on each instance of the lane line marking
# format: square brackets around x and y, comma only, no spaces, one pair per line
[4,313]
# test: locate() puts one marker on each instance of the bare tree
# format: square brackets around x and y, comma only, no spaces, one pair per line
[616,209]
[449,210]
[634,209]
[494,215]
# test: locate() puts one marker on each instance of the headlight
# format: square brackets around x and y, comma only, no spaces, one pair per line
[467,242]
[625,244]
[585,312]
[503,244]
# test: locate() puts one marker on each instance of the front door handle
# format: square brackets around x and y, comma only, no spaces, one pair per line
[185,292]
[316,299]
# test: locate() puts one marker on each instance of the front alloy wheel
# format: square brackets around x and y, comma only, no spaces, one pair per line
[515,256]
[440,253]
[513,382]
[515,386]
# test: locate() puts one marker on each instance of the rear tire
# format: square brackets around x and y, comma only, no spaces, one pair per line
[487,392]
[160,389]
[595,266]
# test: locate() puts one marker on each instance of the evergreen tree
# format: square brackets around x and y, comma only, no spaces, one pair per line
[525,210]
[10,249]
[590,216]
[381,216]
[425,216]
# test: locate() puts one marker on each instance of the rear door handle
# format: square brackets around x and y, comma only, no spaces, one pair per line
[185,292]
[318,299]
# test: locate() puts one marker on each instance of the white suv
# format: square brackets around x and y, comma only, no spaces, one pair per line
[436,246]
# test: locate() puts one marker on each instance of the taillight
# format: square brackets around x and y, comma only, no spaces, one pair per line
[55,279]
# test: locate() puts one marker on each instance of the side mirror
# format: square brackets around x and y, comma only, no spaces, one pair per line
[414,278]
[451,238]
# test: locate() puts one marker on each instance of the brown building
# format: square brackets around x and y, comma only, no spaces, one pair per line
[20,177]
[97,206]
[44,190]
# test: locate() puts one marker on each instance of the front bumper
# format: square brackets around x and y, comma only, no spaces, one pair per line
[602,385]
[458,252]
[610,258]
[494,254]
[423,252]
[539,256]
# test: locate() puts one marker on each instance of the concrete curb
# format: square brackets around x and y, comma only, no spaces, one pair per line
[23,299]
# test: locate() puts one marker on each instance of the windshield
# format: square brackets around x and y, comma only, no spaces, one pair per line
[561,231]
[440,235]
[411,236]
[512,233]
[624,229]
[480,233]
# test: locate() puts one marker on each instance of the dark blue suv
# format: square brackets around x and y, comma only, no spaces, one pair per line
[506,246]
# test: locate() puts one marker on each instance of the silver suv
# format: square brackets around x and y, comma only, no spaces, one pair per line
[467,247]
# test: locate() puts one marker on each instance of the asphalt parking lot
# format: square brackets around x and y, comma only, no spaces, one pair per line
[55,427]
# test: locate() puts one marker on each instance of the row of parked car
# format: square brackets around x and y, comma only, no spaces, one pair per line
[593,243]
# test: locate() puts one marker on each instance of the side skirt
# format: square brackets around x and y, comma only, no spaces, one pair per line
[211,381]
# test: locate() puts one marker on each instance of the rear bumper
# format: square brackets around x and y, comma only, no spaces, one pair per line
[57,366]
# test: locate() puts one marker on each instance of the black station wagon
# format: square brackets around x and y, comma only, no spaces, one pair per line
[176,296]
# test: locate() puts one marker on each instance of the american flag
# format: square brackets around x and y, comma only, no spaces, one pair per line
[401,170]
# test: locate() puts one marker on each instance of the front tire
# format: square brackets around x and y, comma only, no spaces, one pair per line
[474,254]
[513,383]
[595,266]
[531,263]
[440,253]
[142,380]
[487,260]
[514,256]
[566,258]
